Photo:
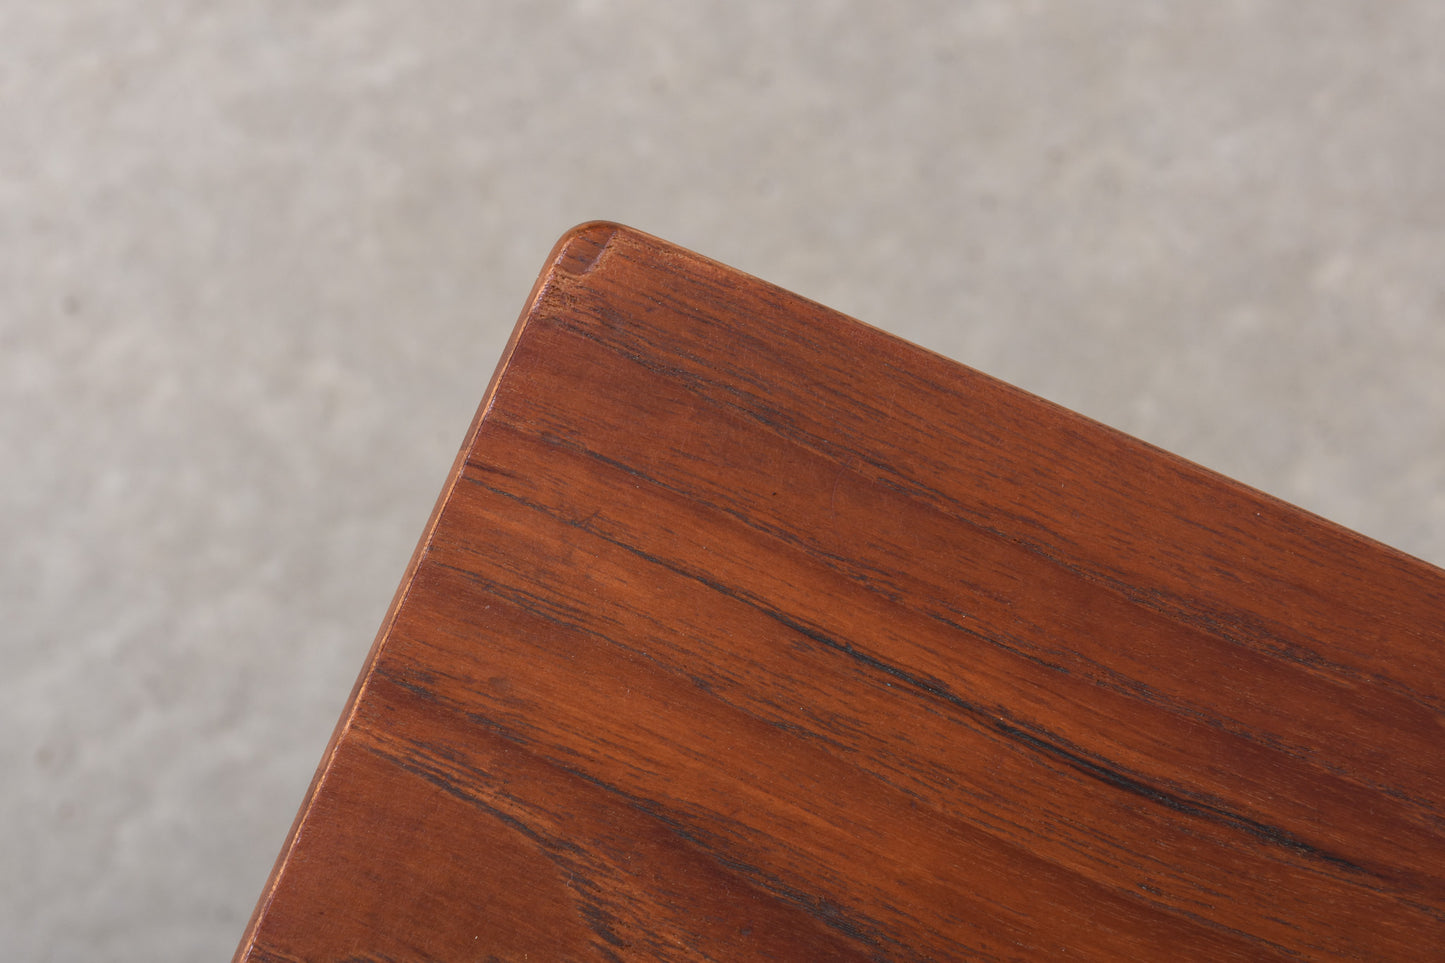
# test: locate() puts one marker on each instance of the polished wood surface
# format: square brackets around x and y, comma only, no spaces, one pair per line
[743,631]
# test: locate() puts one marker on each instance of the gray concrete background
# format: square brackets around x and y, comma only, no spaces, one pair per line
[259,260]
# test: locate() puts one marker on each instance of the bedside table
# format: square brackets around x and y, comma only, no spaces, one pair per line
[744,631]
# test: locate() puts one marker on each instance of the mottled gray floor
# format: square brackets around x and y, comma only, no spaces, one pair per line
[259,259]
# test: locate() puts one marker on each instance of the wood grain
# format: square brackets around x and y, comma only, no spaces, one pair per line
[745,631]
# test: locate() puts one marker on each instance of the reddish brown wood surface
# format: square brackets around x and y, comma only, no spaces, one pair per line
[745,631]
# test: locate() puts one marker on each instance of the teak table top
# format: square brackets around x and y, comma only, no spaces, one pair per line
[743,631]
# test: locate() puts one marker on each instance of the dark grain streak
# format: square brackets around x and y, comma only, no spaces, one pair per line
[1101,770]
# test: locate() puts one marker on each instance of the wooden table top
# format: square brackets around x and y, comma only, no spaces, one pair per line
[744,631]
